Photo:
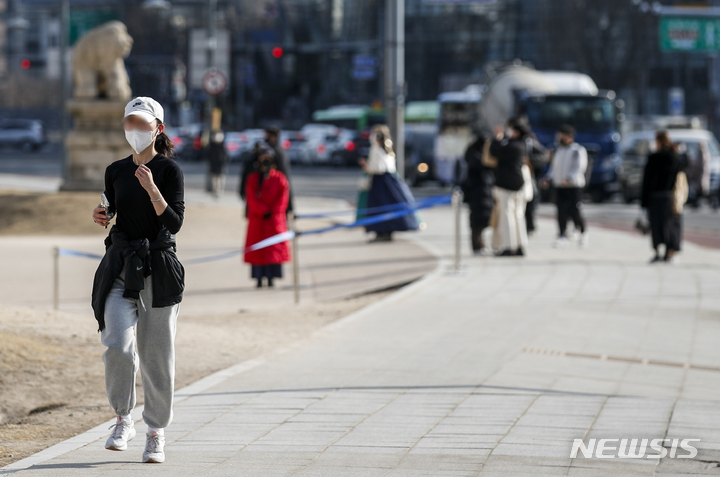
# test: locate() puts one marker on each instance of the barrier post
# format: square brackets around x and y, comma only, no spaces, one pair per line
[295,264]
[456,202]
[56,278]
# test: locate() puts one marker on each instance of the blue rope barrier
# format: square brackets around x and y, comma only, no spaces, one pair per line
[289,235]
[382,208]
[75,253]
[442,200]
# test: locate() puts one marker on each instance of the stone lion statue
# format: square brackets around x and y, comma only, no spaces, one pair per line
[98,67]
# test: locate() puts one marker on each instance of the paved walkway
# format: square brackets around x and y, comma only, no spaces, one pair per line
[492,371]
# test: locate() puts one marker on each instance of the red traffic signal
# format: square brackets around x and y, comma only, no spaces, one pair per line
[277,52]
[25,64]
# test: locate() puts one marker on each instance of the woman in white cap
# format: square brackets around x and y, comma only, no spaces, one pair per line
[140,281]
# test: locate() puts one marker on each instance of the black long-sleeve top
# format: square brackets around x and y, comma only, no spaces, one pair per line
[660,174]
[136,215]
[510,155]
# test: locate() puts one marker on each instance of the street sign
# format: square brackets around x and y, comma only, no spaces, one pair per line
[364,67]
[198,65]
[700,35]
[214,82]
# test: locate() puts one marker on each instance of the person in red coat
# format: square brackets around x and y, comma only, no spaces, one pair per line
[267,194]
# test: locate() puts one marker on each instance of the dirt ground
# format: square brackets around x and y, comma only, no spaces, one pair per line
[51,371]
[64,213]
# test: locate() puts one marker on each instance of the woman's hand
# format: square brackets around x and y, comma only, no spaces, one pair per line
[100,217]
[499,133]
[144,175]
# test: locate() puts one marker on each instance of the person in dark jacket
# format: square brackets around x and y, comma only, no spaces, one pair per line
[217,159]
[139,282]
[661,171]
[282,164]
[477,192]
[509,149]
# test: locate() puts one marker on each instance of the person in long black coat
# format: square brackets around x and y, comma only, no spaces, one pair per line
[658,188]
[477,192]
[218,159]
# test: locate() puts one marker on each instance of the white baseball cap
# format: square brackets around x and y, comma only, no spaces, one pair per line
[145,107]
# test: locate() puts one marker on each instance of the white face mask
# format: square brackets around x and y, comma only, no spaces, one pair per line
[140,140]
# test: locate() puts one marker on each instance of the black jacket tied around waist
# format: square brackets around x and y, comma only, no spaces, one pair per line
[138,259]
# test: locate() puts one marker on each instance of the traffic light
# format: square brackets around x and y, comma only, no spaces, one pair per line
[25,64]
[277,52]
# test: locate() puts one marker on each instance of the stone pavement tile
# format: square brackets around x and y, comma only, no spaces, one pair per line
[502,465]
[535,450]
[705,463]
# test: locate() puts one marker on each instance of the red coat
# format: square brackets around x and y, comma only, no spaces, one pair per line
[271,198]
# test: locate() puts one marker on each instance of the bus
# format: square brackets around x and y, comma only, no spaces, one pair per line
[455,131]
[354,117]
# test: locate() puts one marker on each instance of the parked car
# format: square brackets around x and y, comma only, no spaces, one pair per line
[293,142]
[27,134]
[339,145]
[352,150]
[317,138]
[177,139]
[700,146]
[239,145]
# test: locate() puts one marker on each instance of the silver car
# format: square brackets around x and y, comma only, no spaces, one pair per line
[27,134]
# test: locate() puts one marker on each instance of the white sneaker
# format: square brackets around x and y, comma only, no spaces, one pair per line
[122,432]
[154,448]
[561,242]
[584,240]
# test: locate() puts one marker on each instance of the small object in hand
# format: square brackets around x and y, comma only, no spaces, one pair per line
[105,204]
[267,215]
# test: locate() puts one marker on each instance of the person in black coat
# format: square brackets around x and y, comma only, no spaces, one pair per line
[658,188]
[477,192]
[509,149]
[217,159]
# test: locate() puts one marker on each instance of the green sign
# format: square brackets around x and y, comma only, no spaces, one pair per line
[699,35]
[82,21]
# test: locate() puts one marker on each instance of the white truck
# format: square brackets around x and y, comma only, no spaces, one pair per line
[548,99]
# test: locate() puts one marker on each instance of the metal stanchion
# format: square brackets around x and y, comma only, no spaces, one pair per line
[456,203]
[295,264]
[56,278]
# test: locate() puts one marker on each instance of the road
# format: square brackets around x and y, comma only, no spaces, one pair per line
[701,226]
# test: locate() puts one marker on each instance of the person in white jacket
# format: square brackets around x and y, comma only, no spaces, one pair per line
[567,173]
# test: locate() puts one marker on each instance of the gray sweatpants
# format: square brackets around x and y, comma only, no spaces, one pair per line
[155,354]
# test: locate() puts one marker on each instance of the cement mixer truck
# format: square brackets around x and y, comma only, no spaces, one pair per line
[548,99]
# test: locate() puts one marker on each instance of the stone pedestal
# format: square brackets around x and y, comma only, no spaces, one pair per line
[96,140]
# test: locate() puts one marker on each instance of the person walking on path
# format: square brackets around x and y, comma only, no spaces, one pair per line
[268,193]
[662,175]
[509,152]
[477,193]
[140,280]
[218,159]
[567,173]
[385,187]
